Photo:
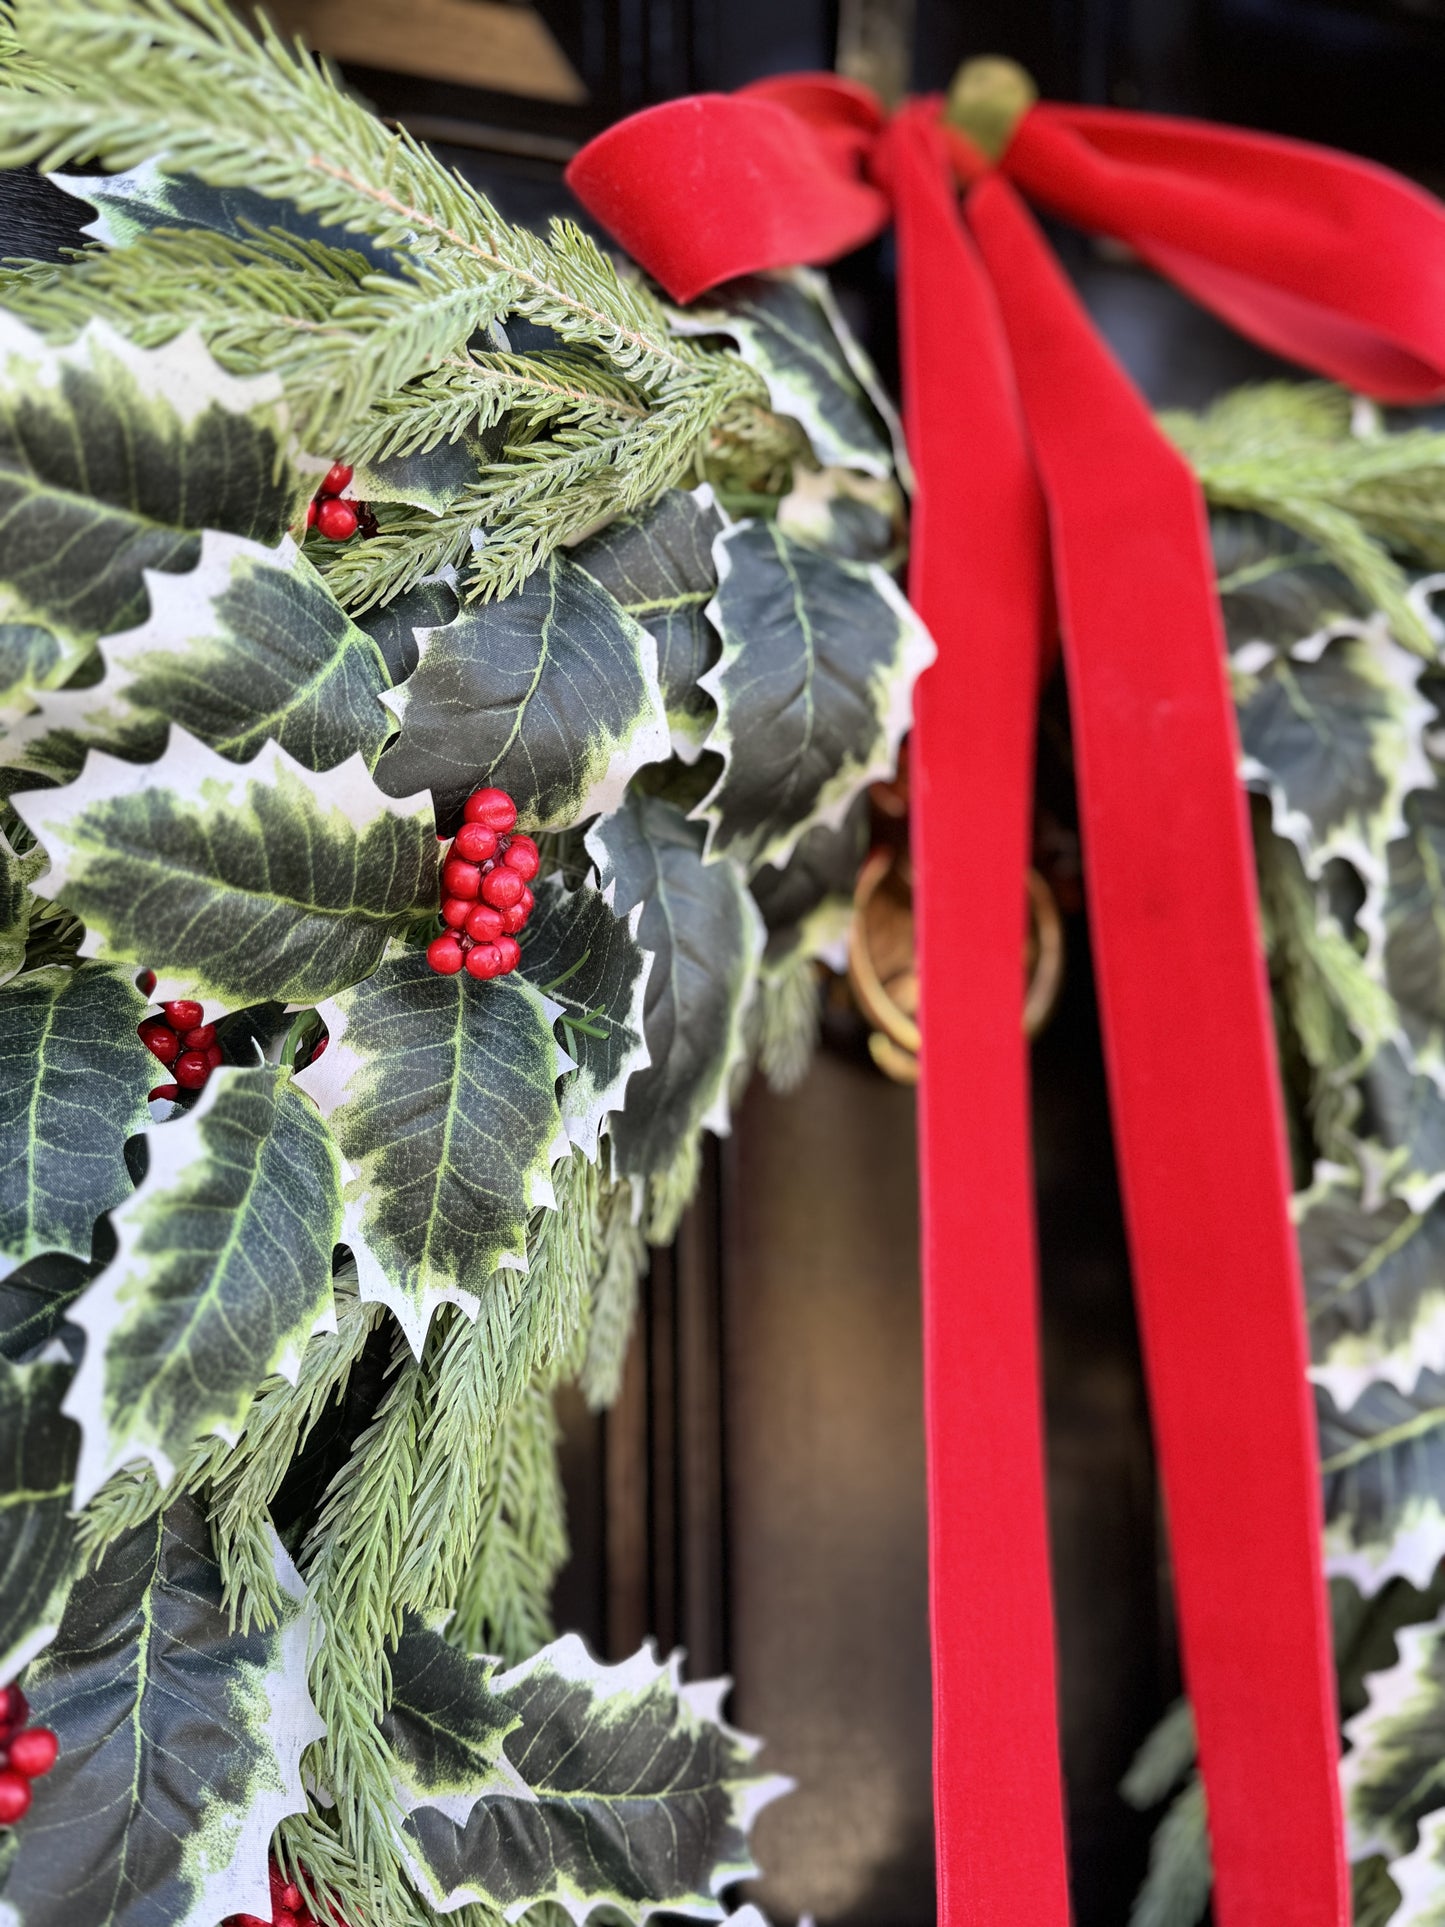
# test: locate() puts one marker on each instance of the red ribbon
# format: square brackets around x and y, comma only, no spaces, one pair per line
[1041,475]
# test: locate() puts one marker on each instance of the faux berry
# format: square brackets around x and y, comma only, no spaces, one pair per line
[515,919]
[475,842]
[322,1042]
[165,1094]
[456,910]
[201,1038]
[215,1056]
[485,960]
[492,807]
[337,477]
[528,901]
[444,954]
[159,1039]
[14,1710]
[511,952]
[311,513]
[34,1751]
[461,879]
[523,858]
[14,1796]
[183,1014]
[336,520]
[502,888]
[192,1069]
[145,983]
[485,924]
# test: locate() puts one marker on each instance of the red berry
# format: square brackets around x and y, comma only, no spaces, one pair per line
[311,513]
[34,1751]
[158,1037]
[201,1038]
[529,902]
[484,925]
[320,1050]
[165,1093]
[444,954]
[475,842]
[523,858]
[502,888]
[484,960]
[336,478]
[215,1056]
[511,952]
[492,807]
[184,1013]
[14,1796]
[336,520]
[291,1897]
[14,1710]
[192,1069]
[145,983]
[514,919]
[461,879]
[456,910]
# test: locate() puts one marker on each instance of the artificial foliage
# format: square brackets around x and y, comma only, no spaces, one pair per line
[330,499]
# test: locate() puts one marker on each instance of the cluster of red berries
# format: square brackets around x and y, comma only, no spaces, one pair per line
[181,1038]
[25,1753]
[288,1909]
[485,898]
[338,521]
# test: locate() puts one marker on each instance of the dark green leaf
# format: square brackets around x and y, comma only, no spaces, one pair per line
[814,689]
[37,1473]
[704,932]
[568,1781]
[441,1096]
[35,1300]
[659,567]
[1394,1773]
[392,625]
[1414,918]
[1275,587]
[803,899]
[73,1084]
[1384,1470]
[576,950]
[1405,1117]
[858,518]
[550,693]
[428,478]
[235,884]
[223,1272]
[180,1742]
[18,870]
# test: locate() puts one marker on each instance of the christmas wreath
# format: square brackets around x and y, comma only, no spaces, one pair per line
[439,686]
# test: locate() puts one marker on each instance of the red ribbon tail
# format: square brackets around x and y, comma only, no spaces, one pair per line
[1197,1112]
[979,578]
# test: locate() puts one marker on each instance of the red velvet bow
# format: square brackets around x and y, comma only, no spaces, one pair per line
[1039,466]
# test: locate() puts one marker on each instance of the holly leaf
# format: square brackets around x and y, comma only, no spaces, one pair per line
[814,689]
[577,950]
[1374,1285]
[1383,1462]
[222,1272]
[440,1093]
[1405,1120]
[1414,926]
[859,518]
[37,1474]
[236,885]
[1332,733]
[428,478]
[1419,1878]
[550,694]
[705,935]
[394,626]
[1394,1772]
[813,891]
[18,870]
[74,1078]
[787,326]
[1276,590]
[567,1781]
[112,459]
[35,1301]
[180,1742]
[658,566]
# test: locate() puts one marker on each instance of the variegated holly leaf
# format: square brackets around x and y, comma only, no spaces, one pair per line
[74,1078]
[705,935]
[428,478]
[35,1301]
[787,326]
[1414,926]
[658,566]
[1404,1123]
[222,1273]
[18,870]
[37,1533]
[550,694]
[248,646]
[1394,1772]
[1383,1462]
[812,893]
[441,1094]
[1332,733]
[859,518]
[235,884]
[579,952]
[180,1742]
[1275,588]
[1374,1284]
[394,626]
[112,459]
[568,1781]
[814,689]
[1419,1880]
